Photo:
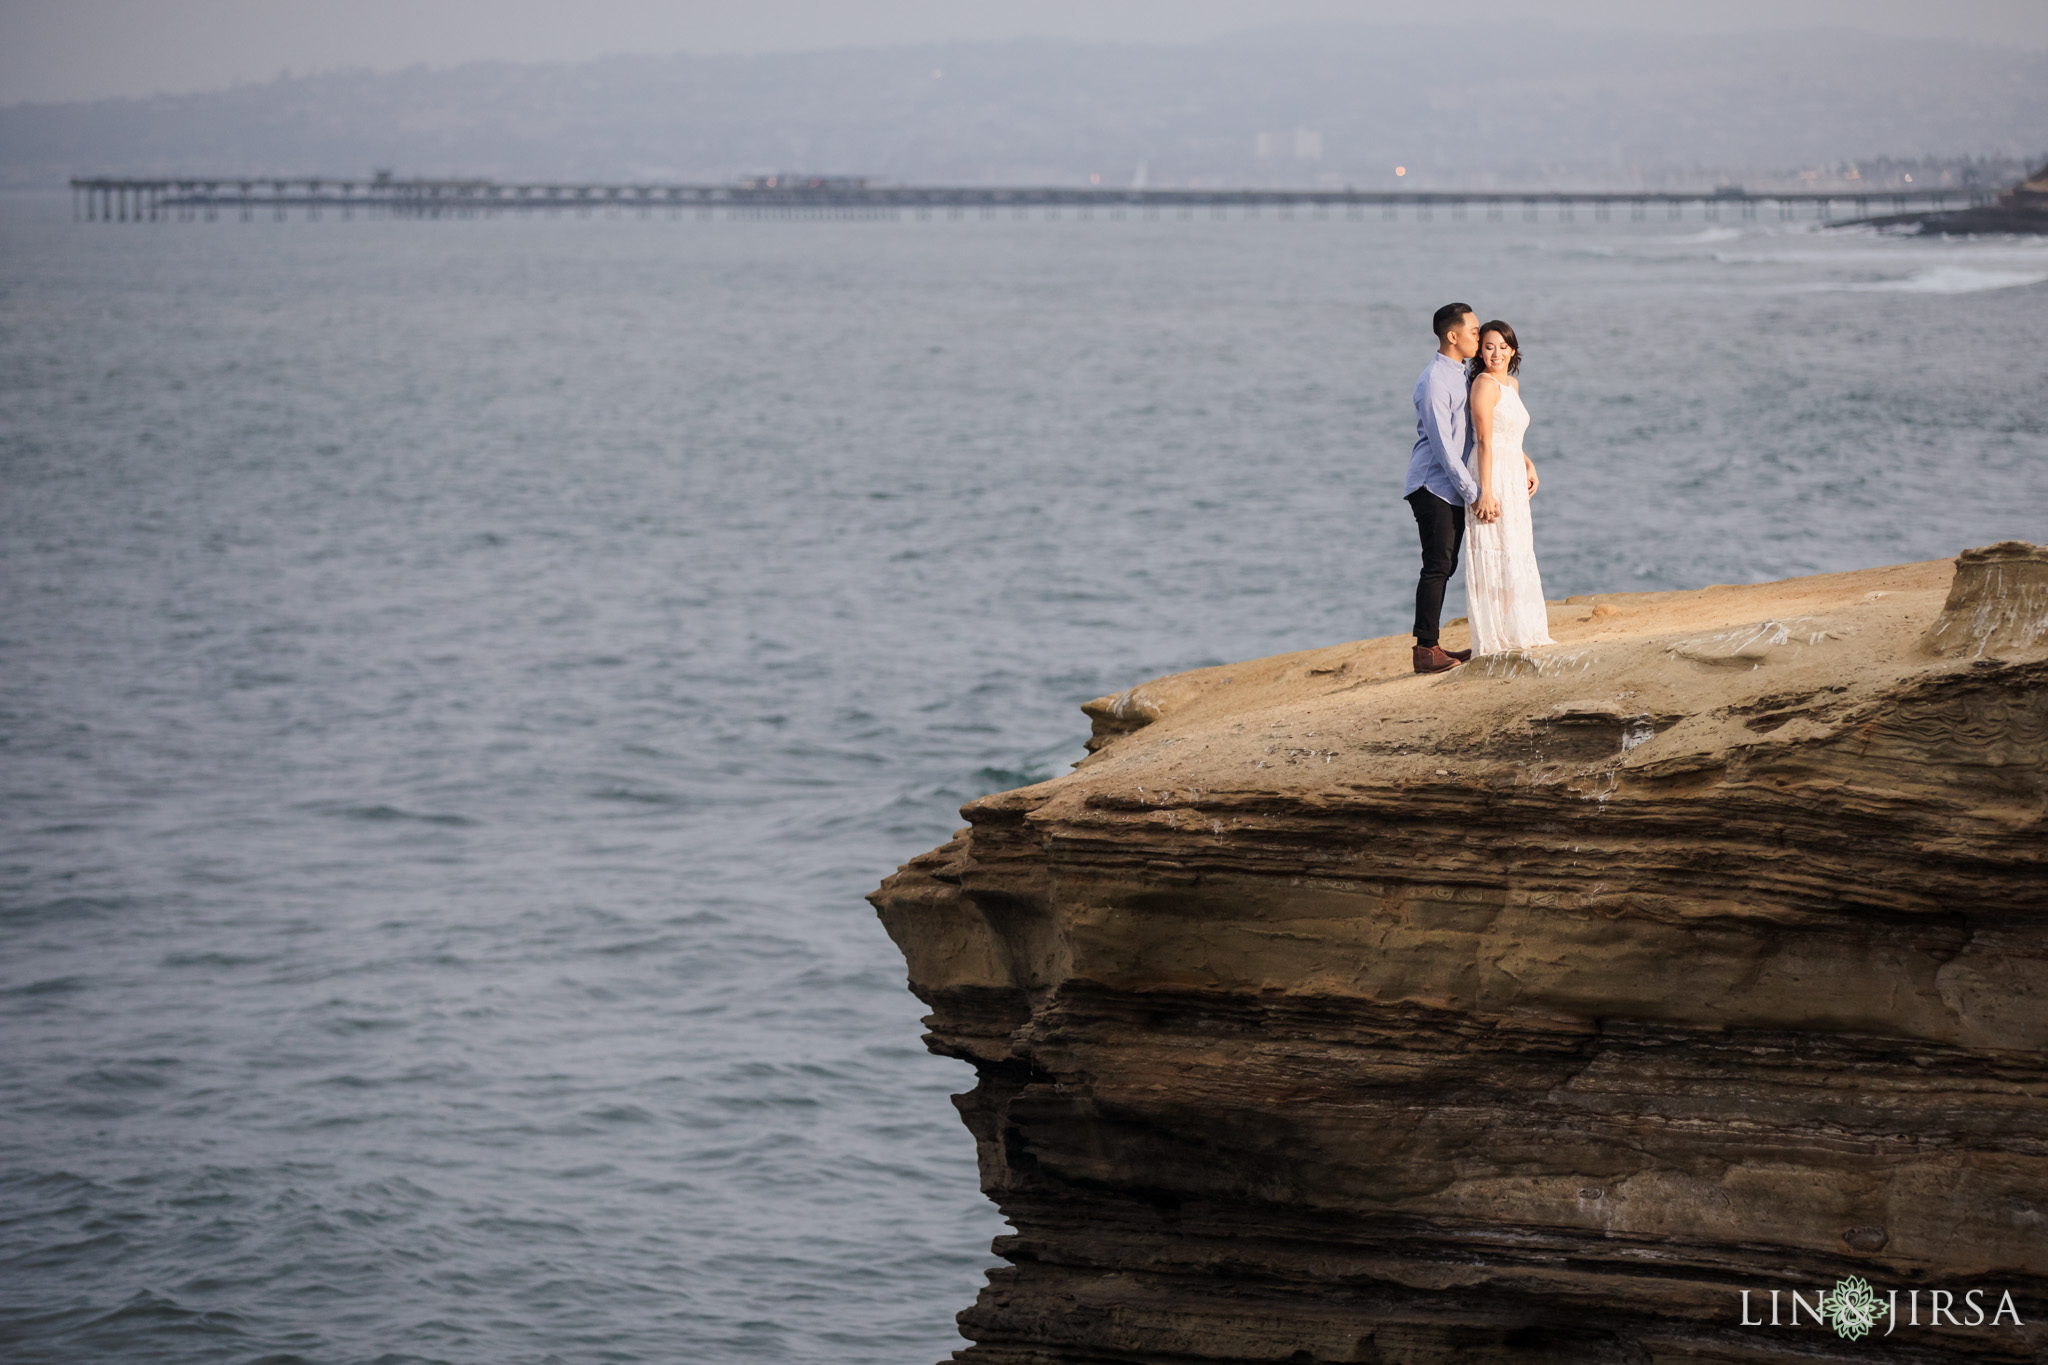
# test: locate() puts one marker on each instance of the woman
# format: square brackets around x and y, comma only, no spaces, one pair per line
[1503,591]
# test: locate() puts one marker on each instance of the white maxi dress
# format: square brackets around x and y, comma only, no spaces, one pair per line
[1503,591]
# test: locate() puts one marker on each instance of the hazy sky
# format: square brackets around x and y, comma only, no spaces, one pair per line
[80,49]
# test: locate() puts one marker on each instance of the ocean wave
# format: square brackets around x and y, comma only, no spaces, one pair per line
[1947,279]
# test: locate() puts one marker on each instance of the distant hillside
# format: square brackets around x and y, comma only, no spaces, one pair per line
[1281,106]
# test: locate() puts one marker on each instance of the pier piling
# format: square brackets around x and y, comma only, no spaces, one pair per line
[190,198]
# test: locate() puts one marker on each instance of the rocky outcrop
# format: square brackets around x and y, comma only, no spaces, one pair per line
[1531,1012]
[2021,209]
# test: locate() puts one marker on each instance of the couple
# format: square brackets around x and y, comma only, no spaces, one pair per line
[1468,476]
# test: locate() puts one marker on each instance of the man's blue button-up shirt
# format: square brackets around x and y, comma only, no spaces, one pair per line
[1443,434]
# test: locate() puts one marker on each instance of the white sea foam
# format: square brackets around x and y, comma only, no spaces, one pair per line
[1948,279]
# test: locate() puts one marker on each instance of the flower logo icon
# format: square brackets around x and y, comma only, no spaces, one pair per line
[1851,1307]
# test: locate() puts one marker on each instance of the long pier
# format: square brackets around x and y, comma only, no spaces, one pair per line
[186,198]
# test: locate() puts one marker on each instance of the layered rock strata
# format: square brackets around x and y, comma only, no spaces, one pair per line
[1530,1012]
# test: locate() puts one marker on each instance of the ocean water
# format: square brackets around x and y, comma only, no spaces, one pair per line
[458,680]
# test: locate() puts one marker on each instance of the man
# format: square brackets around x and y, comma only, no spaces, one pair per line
[1440,483]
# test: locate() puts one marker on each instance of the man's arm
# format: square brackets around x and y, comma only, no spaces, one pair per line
[1438,405]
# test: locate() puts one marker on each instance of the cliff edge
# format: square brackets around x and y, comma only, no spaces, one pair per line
[1535,1011]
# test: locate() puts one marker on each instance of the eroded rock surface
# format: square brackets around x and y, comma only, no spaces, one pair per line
[1528,1012]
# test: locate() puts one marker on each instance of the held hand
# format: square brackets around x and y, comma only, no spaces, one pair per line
[1487,508]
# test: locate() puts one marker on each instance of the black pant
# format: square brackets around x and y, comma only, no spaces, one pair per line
[1442,525]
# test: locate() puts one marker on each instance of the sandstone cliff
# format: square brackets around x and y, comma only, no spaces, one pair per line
[1529,1012]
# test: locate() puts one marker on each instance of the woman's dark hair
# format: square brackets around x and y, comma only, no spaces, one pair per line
[1476,366]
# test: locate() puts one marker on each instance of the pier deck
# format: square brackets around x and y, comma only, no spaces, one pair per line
[156,199]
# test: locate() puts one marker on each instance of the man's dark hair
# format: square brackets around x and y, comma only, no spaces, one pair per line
[1447,317]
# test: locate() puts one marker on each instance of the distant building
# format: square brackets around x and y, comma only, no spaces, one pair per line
[785,181]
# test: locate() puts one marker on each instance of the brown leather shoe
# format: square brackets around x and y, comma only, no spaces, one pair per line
[1432,659]
[1463,656]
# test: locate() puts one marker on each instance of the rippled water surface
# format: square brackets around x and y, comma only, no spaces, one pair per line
[458,679]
